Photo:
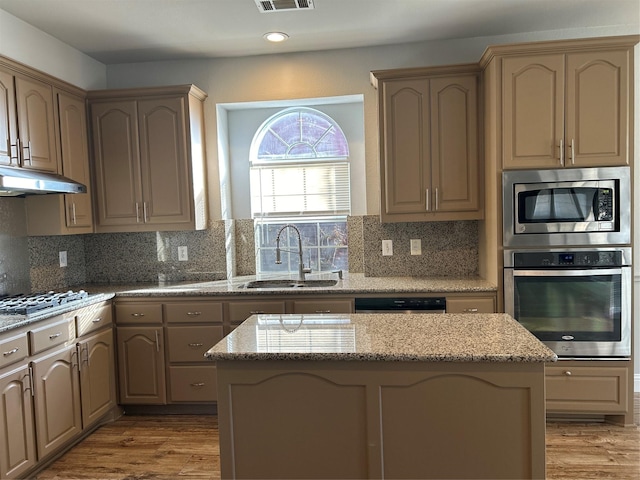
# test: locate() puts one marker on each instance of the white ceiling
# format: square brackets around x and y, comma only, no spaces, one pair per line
[123,31]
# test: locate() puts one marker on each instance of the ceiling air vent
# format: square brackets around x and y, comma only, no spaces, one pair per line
[267,6]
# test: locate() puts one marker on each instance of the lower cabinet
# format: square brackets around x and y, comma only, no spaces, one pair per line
[479,304]
[17,433]
[141,365]
[58,415]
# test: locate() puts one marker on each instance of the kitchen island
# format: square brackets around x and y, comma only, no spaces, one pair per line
[381,396]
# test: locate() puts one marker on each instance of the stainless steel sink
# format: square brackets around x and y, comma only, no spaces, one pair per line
[289,283]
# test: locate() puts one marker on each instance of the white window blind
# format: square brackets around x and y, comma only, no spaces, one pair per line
[304,189]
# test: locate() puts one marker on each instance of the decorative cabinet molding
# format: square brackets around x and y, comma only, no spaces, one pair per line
[149,159]
[429,155]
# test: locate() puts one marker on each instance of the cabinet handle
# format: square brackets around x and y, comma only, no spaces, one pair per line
[86,351]
[427,199]
[73,213]
[54,336]
[28,147]
[198,385]
[97,320]
[137,212]
[137,315]
[157,341]
[30,375]
[11,352]
[323,311]
[10,148]
[78,353]
[562,151]
[573,155]
[144,212]
[255,312]
[437,203]
[471,310]
[194,314]
[195,345]
[567,373]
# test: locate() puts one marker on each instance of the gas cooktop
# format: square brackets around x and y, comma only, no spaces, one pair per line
[32,303]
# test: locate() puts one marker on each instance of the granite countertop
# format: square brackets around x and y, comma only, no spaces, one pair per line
[10,322]
[493,337]
[351,283]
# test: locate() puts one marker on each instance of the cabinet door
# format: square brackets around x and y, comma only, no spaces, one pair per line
[17,434]
[36,125]
[405,170]
[97,376]
[8,127]
[141,365]
[190,343]
[597,109]
[117,163]
[454,144]
[57,400]
[163,159]
[533,109]
[75,161]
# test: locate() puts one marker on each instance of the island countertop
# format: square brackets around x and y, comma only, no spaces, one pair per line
[382,337]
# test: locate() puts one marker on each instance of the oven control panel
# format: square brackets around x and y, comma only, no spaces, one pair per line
[558,259]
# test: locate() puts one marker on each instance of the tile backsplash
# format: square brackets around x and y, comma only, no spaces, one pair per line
[225,248]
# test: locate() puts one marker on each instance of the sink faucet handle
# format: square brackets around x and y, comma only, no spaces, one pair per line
[339,272]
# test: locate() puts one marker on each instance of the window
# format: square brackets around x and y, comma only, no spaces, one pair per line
[299,174]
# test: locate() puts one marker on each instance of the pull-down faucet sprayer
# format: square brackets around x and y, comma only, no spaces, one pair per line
[301,269]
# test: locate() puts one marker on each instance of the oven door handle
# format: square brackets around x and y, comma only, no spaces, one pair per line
[585,272]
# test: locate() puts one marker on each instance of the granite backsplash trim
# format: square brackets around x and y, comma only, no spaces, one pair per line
[448,248]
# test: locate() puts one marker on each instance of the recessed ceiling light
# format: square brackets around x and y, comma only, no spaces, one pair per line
[275,37]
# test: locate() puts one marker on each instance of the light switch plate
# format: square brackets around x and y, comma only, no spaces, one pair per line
[416,246]
[62,256]
[387,248]
[183,253]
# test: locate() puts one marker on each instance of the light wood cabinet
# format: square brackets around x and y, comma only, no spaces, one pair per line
[567,110]
[66,214]
[17,432]
[58,415]
[429,156]
[27,124]
[479,304]
[141,365]
[149,159]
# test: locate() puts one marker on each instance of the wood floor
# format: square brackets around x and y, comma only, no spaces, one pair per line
[186,447]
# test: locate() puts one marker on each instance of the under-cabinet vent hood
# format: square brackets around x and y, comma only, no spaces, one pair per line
[20,181]
[267,6]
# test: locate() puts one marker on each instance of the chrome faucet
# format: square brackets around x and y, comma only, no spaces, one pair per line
[301,269]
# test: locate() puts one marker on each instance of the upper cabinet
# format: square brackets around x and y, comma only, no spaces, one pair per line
[148,152]
[27,122]
[567,108]
[429,163]
[66,214]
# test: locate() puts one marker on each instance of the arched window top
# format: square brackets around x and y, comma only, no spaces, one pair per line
[296,134]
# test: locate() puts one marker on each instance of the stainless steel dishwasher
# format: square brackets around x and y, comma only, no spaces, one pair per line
[401,305]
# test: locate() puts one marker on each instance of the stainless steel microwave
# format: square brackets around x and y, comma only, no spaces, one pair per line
[562,207]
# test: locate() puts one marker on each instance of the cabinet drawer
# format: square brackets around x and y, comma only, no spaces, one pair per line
[90,319]
[193,384]
[189,344]
[139,313]
[13,349]
[193,312]
[240,311]
[323,306]
[471,305]
[586,389]
[52,334]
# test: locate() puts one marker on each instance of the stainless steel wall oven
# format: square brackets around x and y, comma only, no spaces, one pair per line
[577,301]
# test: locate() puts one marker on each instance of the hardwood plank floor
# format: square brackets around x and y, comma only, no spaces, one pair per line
[186,447]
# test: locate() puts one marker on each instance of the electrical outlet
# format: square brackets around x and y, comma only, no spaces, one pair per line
[416,246]
[62,256]
[387,248]
[183,253]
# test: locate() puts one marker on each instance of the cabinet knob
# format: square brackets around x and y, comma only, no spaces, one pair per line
[567,373]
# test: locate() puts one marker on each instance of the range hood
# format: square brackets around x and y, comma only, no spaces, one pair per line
[19,181]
